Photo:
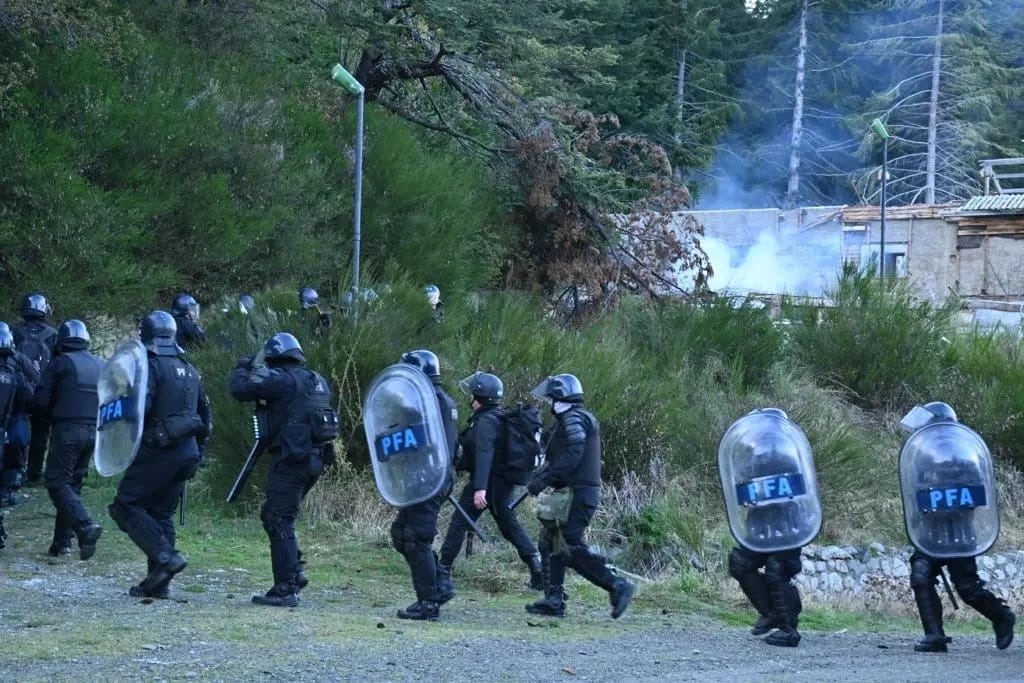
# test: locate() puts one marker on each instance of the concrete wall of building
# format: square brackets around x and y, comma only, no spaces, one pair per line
[991,265]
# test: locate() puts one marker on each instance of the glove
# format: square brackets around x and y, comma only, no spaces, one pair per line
[328,455]
[536,485]
[244,362]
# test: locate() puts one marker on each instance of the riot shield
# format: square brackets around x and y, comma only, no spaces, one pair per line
[122,397]
[405,434]
[948,490]
[769,484]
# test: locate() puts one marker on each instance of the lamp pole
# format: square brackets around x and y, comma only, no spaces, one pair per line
[882,132]
[355,88]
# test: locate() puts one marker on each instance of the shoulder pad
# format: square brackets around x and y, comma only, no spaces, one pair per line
[575,427]
[261,375]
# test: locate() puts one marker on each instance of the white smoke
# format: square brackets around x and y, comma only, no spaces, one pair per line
[804,264]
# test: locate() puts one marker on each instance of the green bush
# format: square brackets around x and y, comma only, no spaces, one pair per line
[985,385]
[875,342]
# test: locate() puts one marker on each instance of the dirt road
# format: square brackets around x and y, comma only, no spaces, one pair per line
[71,620]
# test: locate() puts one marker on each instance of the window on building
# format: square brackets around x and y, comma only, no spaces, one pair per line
[896,260]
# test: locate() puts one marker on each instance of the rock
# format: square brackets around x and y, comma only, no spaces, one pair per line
[877,548]
[806,566]
[999,575]
[986,562]
[830,565]
[835,584]
[1000,560]
[873,565]
[819,566]
[1011,569]
[842,567]
[900,569]
[834,553]
[984,575]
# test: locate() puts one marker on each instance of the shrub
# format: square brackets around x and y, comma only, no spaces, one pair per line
[873,341]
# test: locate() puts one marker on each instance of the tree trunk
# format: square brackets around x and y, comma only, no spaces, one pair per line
[793,190]
[680,101]
[933,111]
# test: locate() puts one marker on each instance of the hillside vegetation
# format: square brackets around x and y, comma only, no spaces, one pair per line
[152,147]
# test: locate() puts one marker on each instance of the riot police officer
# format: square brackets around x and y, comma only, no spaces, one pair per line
[950,506]
[185,310]
[15,390]
[574,469]
[177,422]
[67,399]
[415,526]
[492,480]
[433,293]
[35,339]
[309,301]
[296,406]
[771,494]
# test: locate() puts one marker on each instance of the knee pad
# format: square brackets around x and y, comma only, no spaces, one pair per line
[276,526]
[781,570]
[921,575]
[119,513]
[739,564]
[970,589]
[415,540]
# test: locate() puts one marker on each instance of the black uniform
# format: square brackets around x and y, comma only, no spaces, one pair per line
[574,457]
[191,334]
[290,394]
[924,572]
[483,452]
[36,340]
[770,591]
[415,527]
[67,399]
[177,420]
[15,395]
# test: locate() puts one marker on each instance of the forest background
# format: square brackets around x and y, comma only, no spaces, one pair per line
[156,147]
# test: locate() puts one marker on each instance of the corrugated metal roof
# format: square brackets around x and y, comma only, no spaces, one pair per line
[996,202]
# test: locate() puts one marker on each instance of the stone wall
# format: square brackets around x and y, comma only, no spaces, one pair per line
[877,575]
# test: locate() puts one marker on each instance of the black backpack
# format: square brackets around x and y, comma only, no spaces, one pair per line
[522,439]
[36,346]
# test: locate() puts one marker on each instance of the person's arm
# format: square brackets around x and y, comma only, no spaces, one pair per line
[486,432]
[42,401]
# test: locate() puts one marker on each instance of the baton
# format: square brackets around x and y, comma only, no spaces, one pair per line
[519,499]
[182,503]
[949,591]
[469,520]
[243,476]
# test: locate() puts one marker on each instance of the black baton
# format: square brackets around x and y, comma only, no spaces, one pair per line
[949,590]
[469,520]
[182,503]
[519,499]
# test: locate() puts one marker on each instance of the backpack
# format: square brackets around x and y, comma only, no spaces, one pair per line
[35,345]
[522,439]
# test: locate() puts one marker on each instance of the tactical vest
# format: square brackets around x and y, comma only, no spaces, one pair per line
[295,414]
[177,390]
[76,392]
[588,471]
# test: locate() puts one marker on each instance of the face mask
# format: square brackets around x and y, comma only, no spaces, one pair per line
[558,407]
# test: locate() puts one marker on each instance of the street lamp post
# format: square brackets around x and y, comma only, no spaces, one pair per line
[355,88]
[882,132]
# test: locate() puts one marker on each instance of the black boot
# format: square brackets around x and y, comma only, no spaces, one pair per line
[785,634]
[445,586]
[551,605]
[996,611]
[533,562]
[167,565]
[753,585]
[930,610]
[620,596]
[88,536]
[161,592]
[421,610]
[281,595]
[301,580]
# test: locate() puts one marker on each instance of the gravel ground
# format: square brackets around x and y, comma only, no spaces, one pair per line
[70,620]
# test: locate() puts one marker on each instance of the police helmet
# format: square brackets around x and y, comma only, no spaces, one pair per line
[246,303]
[564,388]
[942,411]
[433,293]
[35,306]
[308,297]
[158,333]
[184,304]
[6,340]
[426,361]
[484,387]
[72,331]
[283,346]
